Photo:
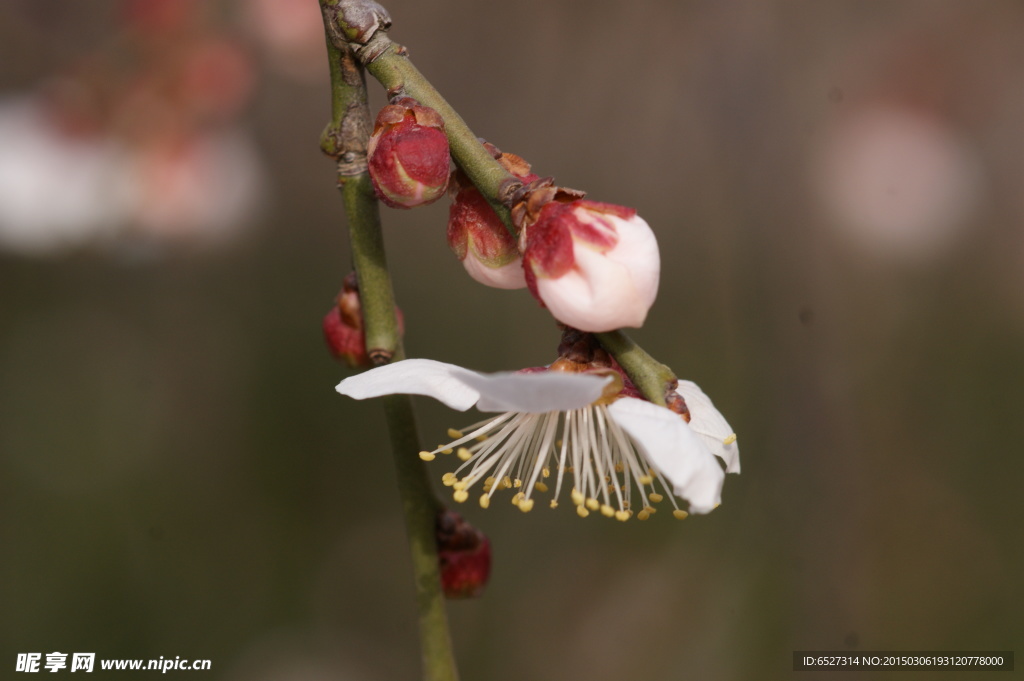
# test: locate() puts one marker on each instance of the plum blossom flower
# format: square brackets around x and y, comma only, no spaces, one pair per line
[594,265]
[620,450]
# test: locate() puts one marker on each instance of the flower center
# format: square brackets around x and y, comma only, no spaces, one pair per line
[522,452]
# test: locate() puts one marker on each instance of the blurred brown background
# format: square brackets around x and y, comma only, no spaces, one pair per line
[838,191]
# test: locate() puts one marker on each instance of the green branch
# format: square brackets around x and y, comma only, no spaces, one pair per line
[651,377]
[345,140]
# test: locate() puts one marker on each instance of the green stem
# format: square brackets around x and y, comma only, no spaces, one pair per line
[653,378]
[383,341]
[345,140]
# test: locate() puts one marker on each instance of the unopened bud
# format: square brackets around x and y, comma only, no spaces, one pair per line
[343,327]
[477,235]
[408,155]
[464,554]
[594,265]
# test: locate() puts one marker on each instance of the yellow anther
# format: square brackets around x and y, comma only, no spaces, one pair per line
[619,468]
[427,456]
[650,510]
[517,483]
[558,443]
[545,472]
[607,478]
[729,440]
[455,434]
[481,438]
[519,496]
[446,450]
[607,511]
[465,454]
[622,515]
[643,515]
[577,498]
[680,514]
[655,497]
[460,495]
[569,469]
[645,480]
[554,503]
[490,480]
[460,484]
[506,482]
[540,487]
[582,512]
[448,479]
[525,505]
[593,504]
[485,501]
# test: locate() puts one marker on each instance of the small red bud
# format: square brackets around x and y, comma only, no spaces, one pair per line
[408,155]
[477,235]
[343,327]
[464,554]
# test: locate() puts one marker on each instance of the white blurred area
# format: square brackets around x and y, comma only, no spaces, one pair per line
[60,191]
[898,183]
[137,144]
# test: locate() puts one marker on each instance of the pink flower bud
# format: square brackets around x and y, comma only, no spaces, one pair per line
[594,265]
[464,554]
[408,155]
[343,327]
[478,236]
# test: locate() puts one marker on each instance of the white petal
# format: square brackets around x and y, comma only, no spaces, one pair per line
[461,388]
[444,382]
[536,393]
[508,276]
[674,450]
[712,427]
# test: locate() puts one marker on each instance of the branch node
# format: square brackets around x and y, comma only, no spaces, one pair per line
[380,356]
[508,190]
[354,21]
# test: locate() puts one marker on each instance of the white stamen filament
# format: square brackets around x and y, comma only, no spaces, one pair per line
[604,461]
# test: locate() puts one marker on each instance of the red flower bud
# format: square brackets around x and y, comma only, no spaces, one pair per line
[408,155]
[343,326]
[464,554]
[478,236]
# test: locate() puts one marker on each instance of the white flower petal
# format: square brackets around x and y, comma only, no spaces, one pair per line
[712,427]
[674,450]
[536,393]
[444,382]
[460,388]
[509,276]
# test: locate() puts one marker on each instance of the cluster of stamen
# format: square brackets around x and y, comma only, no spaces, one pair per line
[523,452]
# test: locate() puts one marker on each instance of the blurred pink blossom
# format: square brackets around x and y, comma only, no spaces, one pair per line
[897,182]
